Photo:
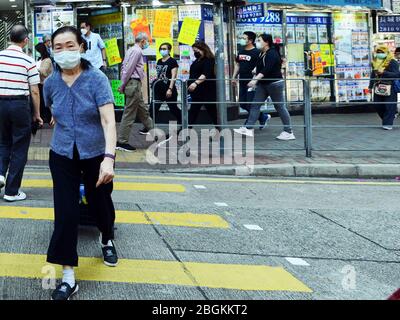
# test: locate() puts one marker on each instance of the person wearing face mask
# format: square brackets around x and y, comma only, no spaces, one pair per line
[246,61]
[82,146]
[164,85]
[19,79]
[96,49]
[384,66]
[268,83]
[132,74]
[202,86]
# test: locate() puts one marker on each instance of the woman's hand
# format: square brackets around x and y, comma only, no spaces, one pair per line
[52,122]
[252,84]
[106,172]
[169,93]
[192,87]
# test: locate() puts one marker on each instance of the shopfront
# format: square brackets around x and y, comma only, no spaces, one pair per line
[328,44]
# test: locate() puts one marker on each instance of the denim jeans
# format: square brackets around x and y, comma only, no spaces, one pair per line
[276,91]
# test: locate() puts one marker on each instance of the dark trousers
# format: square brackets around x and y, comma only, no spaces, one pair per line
[207,99]
[388,109]
[67,175]
[246,97]
[15,137]
[159,97]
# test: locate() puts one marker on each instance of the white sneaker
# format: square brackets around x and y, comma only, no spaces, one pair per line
[244,131]
[19,197]
[286,136]
[2,182]
[387,128]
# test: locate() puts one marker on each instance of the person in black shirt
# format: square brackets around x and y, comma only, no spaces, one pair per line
[164,85]
[268,83]
[246,61]
[201,89]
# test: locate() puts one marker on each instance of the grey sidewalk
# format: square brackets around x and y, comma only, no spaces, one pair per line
[341,152]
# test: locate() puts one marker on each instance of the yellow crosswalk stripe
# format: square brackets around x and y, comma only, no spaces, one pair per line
[210,275]
[120,186]
[184,219]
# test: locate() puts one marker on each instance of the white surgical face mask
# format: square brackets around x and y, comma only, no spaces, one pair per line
[259,45]
[243,42]
[84,31]
[67,59]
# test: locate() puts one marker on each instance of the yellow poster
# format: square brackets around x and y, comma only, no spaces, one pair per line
[159,42]
[112,52]
[162,24]
[189,30]
[295,52]
[327,56]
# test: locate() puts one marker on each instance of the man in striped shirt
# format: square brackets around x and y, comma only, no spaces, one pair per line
[19,78]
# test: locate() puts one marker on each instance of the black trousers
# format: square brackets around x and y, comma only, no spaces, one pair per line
[203,99]
[67,174]
[15,137]
[160,94]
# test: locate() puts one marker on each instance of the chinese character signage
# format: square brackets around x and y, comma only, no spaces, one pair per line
[112,52]
[119,98]
[248,12]
[358,3]
[389,23]
[270,17]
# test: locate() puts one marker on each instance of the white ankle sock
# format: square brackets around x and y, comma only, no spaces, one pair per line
[69,277]
[109,244]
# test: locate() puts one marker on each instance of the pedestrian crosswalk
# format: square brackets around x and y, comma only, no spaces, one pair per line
[169,272]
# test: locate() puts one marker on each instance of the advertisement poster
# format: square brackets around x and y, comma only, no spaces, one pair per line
[189,31]
[162,24]
[62,19]
[300,33]
[112,52]
[118,97]
[141,25]
[322,33]
[43,23]
[290,34]
[312,33]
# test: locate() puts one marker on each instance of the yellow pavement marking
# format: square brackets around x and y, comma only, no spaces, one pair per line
[42,154]
[184,219]
[226,276]
[255,180]
[122,186]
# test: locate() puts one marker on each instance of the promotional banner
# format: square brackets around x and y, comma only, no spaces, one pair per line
[141,25]
[118,97]
[189,30]
[112,52]
[162,24]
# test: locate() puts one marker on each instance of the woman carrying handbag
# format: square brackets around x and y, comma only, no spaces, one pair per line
[385,68]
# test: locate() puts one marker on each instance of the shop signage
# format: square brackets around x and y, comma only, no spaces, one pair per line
[162,24]
[271,17]
[247,12]
[389,23]
[112,52]
[358,3]
[308,20]
[106,19]
[119,98]
[189,31]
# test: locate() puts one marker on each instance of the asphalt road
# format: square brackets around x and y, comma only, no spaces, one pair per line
[201,237]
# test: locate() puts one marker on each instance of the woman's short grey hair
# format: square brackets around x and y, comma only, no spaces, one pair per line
[141,36]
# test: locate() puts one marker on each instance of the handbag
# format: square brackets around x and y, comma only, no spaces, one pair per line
[382,89]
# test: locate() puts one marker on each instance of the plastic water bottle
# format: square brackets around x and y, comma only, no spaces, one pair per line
[82,195]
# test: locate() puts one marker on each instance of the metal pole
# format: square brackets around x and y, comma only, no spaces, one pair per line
[307,119]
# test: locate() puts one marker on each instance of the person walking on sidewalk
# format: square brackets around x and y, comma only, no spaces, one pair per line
[384,66]
[132,75]
[82,146]
[96,49]
[45,68]
[19,78]
[202,86]
[269,66]
[246,61]
[165,84]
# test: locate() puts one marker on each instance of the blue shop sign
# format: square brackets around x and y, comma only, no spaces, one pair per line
[308,20]
[359,3]
[248,12]
[389,23]
[271,17]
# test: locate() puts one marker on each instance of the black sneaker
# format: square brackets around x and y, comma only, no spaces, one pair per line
[125,147]
[64,291]
[110,255]
[144,131]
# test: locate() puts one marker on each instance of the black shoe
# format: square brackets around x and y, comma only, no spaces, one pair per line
[125,147]
[110,255]
[64,291]
[144,131]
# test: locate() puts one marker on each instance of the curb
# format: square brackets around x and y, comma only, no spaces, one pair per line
[303,170]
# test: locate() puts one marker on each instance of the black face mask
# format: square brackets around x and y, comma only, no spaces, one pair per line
[197,55]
